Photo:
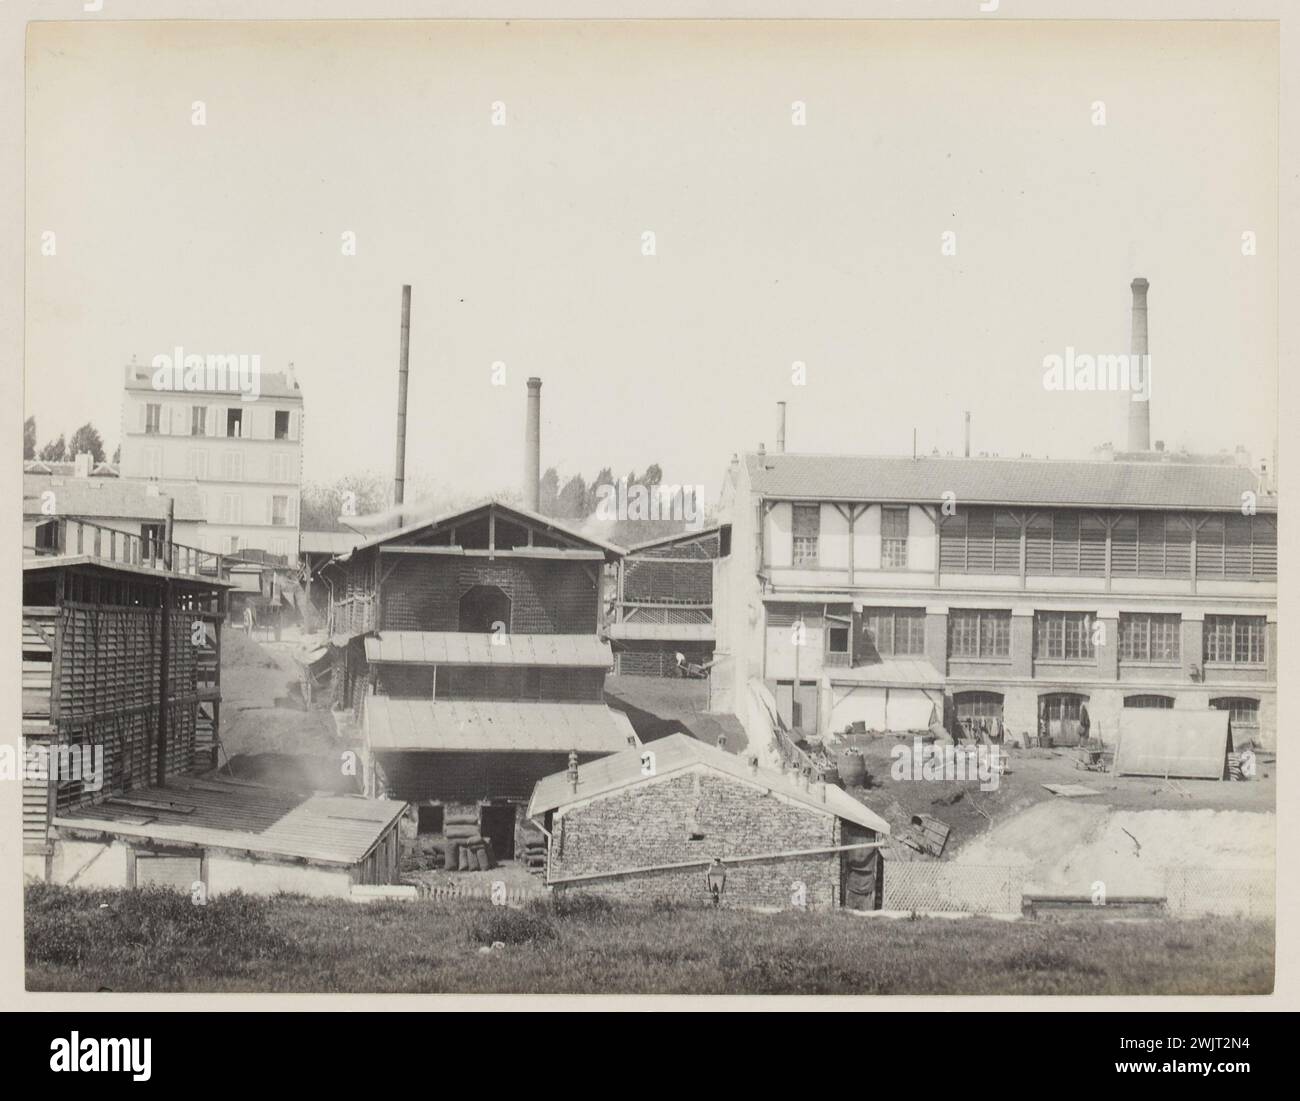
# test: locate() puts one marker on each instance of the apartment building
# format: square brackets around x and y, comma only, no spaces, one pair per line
[894,591]
[244,454]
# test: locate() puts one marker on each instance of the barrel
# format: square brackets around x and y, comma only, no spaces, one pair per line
[853,769]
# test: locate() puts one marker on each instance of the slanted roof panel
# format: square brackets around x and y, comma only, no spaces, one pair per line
[1023,482]
[470,648]
[493,726]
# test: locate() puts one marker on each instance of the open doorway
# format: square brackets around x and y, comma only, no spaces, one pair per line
[497,825]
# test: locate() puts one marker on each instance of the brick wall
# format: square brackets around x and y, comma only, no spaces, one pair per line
[545,597]
[651,823]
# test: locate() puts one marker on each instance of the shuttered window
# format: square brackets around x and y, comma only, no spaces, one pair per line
[1209,547]
[1006,543]
[1092,546]
[1124,545]
[952,544]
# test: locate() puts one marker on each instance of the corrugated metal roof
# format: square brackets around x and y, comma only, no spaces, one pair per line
[661,632]
[466,648]
[1023,482]
[1188,745]
[678,752]
[534,517]
[496,726]
[212,813]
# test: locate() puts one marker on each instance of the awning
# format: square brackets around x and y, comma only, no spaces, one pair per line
[466,648]
[494,726]
[889,673]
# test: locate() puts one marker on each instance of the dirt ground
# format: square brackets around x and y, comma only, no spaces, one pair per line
[267,734]
[1224,810]
[659,706]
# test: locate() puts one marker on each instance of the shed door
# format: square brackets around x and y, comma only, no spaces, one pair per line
[178,872]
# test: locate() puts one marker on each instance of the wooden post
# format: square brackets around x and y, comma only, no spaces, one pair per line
[168,529]
[160,768]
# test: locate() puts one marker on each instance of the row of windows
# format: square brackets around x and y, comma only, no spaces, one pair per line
[1076,543]
[806,531]
[158,419]
[230,468]
[1244,710]
[1144,637]
[230,510]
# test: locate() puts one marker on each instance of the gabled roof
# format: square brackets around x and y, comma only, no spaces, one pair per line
[1007,482]
[404,534]
[679,753]
[468,648]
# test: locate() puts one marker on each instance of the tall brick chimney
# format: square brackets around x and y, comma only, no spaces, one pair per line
[533,447]
[1139,406]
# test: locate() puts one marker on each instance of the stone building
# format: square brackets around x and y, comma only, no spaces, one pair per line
[649,823]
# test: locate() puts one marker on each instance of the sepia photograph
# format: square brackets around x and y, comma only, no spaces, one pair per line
[648,507]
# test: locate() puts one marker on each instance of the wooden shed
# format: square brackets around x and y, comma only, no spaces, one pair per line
[650,822]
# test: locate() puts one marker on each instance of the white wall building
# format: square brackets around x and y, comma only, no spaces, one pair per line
[244,453]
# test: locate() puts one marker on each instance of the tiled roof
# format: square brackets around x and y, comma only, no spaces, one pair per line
[1023,482]
[494,726]
[111,498]
[678,752]
[467,648]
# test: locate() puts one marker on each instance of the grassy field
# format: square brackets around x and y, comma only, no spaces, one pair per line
[157,940]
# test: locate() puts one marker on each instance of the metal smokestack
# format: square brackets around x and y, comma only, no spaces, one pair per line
[968,433]
[780,427]
[1139,406]
[533,446]
[403,368]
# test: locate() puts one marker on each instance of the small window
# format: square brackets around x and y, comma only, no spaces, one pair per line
[199,420]
[893,538]
[279,510]
[281,424]
[152,419]
[1150,703]
[837,640]
[234,423]
[806,526]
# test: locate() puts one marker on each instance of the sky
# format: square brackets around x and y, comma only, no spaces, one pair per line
[774,243]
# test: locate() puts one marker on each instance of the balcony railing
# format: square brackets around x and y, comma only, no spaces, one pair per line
[69,535]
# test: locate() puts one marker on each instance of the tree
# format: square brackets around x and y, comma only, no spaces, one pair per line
[55,451]
[29,438]
[323,504]
[572,502]
[87,438]
[548,491]
[117,455]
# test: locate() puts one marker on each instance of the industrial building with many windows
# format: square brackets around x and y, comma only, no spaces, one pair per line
[890,593]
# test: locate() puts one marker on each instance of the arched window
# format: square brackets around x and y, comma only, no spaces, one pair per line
[1164,703]
[483,606]
[977,705]
[1243,711]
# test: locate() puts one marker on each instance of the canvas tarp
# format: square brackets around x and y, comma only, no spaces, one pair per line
[1187,745]
[897,710]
